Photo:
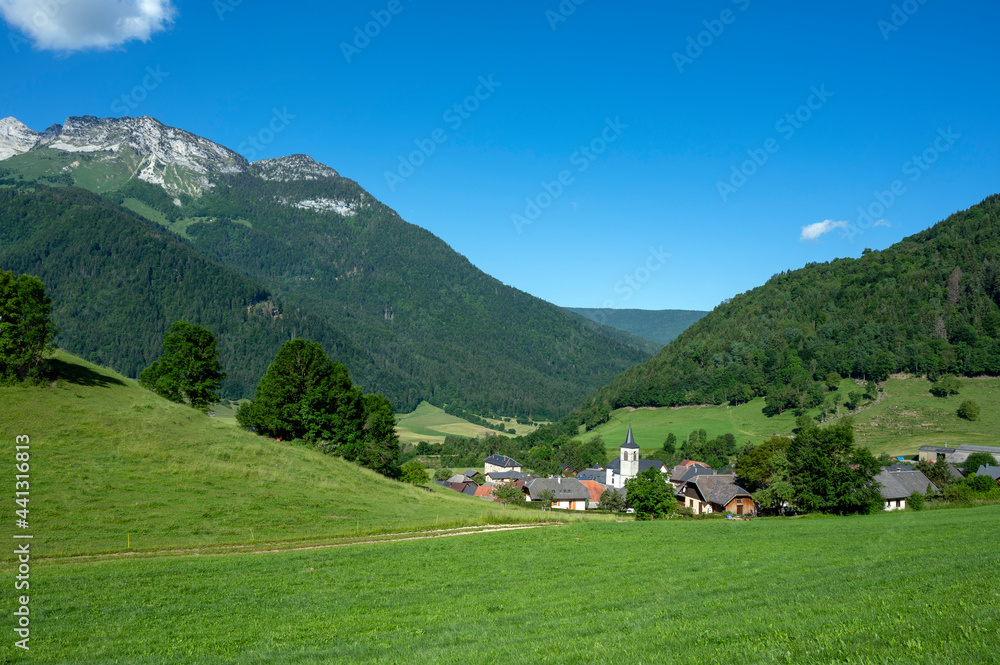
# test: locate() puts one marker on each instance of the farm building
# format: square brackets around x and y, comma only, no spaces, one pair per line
[897,486]
[718,493]
[500,463]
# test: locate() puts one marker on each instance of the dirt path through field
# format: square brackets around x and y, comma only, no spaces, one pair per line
[270,548]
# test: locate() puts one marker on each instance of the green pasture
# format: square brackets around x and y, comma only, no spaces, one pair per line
[431,424]
[889,588]
[906,417]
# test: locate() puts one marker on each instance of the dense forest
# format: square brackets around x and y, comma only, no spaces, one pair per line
[928,305]
[117,282]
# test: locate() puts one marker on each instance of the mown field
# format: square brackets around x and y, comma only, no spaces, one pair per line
[890,588]
[115,467]
[431,424]
[906,417]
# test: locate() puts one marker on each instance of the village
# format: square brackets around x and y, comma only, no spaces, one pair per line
[697,486]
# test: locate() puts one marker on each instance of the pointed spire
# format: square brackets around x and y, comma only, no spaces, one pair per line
[629,441]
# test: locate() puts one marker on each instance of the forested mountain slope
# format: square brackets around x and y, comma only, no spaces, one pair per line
[929,304]
[118,281]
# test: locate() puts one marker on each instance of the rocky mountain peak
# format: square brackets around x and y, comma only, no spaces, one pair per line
[15,137]
[293,167]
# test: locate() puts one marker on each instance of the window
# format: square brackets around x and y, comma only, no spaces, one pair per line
[739,500]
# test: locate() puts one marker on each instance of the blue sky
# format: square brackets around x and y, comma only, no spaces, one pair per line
[618,121]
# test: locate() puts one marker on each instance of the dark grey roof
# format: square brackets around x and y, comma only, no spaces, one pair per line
[471,473]
[979,449]
[460,478]
[600,475]
[470,489]
[616,465]
[564,489]
[629,441]
[991,471]
[899,467]
[507,475]
[501,460]
[689,472]
[901,484]
[936,449]
[955,472]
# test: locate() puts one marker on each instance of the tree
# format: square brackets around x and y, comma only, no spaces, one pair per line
[830,474]
[611,501]
[442,474]
[980,483]
[547,497]
[305,395]
[26,333]
[936,472]
[968,410]
[508,493]
[832,381]
[976,460]
[189,369]
[945,386]
[650,494]
[670,444]
[414,473]
[916,501]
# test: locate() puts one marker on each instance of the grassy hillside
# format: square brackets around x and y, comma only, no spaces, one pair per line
[890,588]
[658,325]
[114,467]
[906,417]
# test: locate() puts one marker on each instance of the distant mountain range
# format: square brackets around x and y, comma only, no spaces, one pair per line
[263,251]
[658,325]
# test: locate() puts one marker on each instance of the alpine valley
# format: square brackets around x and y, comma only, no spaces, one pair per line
[132,225]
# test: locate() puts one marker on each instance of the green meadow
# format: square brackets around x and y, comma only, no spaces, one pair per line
[890,588]
[906,417]
[431,424]
[116,468]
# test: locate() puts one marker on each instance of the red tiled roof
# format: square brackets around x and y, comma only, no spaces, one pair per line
[484,490]
[595,488]
[689,462]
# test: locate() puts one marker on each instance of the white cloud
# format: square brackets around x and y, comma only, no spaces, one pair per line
[814,231]
[75,25]
[882,222]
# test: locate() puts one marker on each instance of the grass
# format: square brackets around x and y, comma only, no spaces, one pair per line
[98,176]
[907,417]
[115,467]
[431,424]
[143,210]
[890,588]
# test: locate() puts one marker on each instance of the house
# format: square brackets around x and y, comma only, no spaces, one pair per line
[596,489]
[568,493]
[471,474]
[495,477]
[461,478]
[897,486]
[991,471]
[715,493]
[567,471]
[485,491]
[628,465]
[500,463]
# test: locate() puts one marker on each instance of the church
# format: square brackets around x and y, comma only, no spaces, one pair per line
[628,465]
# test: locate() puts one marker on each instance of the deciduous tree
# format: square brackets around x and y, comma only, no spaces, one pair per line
[189,369]
[26,333]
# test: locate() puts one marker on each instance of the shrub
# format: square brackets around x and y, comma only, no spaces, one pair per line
[916,501]
[959,493]
[946,385]
[968,410]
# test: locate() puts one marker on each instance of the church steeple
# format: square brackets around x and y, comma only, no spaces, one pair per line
[629,441]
